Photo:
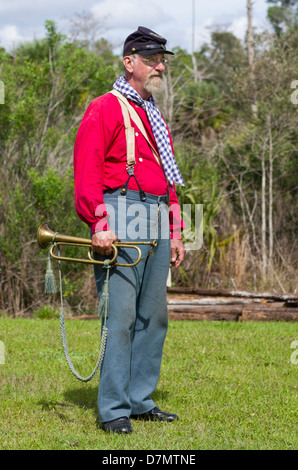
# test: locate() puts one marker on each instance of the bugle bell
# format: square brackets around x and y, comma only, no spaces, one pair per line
[46,236]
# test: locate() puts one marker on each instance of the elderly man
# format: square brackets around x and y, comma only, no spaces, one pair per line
[110,189]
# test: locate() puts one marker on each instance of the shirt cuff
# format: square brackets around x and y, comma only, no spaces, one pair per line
[100,226]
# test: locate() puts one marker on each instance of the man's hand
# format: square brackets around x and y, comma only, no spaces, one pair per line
[177,253]
[102,242]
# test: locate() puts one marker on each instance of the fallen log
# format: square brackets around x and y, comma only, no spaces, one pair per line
[232,313]
[232,308]
[269,315]
[213,301]
[227,293]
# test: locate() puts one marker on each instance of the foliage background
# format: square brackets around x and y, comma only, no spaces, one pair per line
[234,126]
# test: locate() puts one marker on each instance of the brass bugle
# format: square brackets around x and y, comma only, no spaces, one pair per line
[46,236]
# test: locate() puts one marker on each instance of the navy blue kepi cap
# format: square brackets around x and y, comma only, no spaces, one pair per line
[145,42]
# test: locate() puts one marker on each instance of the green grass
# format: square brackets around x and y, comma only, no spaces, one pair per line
[232,384]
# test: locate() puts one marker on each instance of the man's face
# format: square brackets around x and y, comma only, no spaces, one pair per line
[155,65]
[146,73]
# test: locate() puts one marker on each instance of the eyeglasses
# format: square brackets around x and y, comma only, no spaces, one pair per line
[154,61]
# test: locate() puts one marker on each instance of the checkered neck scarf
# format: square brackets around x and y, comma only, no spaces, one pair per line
[158,127]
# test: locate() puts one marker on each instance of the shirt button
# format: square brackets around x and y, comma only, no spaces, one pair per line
[140,159]
[137,134]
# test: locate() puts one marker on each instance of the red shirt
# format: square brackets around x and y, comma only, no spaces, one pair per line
[100,163]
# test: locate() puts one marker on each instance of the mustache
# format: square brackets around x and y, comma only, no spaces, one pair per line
[154,75]
[157,73]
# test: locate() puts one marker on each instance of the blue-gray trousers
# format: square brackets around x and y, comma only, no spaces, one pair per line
[138,317]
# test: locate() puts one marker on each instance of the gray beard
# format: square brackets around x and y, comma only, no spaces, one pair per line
[154,84]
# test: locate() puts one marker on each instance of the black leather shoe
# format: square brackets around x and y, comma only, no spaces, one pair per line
[156,415]
[120,425]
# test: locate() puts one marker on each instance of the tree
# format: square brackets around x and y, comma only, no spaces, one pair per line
[44,104]
[258,152]
[282,15]
[86,30]
[241,166]
[251,53]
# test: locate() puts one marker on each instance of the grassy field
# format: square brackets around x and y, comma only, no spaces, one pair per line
[233,385]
